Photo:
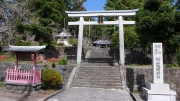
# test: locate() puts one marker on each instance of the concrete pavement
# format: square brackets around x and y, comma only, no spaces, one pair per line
[91,94]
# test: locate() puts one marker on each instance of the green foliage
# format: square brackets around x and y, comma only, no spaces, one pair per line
[51,79]
[63,61]
[2,84]
[131,37]
[170,65]
[158,22]
[23,43]
[42,33]
[73,41]
[131,40]
[115,40]
[20,27]
[123,4]
[60,44]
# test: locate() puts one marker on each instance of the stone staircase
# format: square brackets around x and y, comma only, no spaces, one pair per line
[98,72]
[98,77]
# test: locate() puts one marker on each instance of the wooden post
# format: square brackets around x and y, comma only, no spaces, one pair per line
[34,67]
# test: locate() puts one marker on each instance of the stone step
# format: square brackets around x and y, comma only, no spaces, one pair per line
[100,67]
[98,78]
[87,66]
[99,75]
[100,86]
[98,81]
[99,70]
[98,64]
[96,86]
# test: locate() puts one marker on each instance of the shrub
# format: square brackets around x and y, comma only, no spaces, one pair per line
[60,44]
[51,79]
[63,61]
[23,43]
[169,65]
[73,41]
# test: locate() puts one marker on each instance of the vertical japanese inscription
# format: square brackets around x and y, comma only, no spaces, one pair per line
[158,52]
[157,63]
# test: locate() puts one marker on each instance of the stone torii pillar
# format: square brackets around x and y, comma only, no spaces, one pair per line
[121,42]
[80,38]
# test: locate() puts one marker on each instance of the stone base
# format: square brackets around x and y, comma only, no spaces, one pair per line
[158,92]
[164,87]
[23,88]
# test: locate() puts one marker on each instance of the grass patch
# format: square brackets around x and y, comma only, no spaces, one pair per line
[171,65]
[137,65]
[2,84]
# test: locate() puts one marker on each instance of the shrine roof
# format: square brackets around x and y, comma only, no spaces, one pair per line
[36,49]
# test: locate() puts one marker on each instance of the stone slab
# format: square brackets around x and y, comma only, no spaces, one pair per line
[161,87]
[159,95]
[91,94]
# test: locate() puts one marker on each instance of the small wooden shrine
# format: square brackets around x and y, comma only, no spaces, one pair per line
[103,42]
[24,80]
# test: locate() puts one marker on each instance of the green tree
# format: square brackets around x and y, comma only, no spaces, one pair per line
[74,5]
[131,40]
[48,18]
[131,37]
[159,22]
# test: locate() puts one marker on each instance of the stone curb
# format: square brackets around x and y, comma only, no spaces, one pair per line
[46,98]
[71,77]
[136,97]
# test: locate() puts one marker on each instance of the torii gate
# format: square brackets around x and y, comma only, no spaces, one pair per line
[115,13]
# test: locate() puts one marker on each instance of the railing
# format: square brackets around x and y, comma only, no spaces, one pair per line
[23,76]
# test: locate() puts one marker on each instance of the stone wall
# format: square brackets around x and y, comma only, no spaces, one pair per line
[70,53]
[137,77]
[64,70]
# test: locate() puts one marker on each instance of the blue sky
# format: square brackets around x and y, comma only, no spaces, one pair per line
[94,5]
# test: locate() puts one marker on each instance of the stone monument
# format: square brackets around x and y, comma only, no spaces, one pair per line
[158,90]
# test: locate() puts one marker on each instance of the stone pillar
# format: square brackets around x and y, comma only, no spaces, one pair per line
[157,90]
[80,38]
[121,41]
[157,63]
[121,52]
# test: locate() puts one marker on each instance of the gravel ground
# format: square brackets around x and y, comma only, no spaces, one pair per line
[8,96]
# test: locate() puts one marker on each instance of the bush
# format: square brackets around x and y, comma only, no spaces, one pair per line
[73,41]
[60,44]
[51,79]
[23,43]
[63,61]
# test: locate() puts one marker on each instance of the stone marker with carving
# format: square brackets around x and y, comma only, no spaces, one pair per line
[158,90]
